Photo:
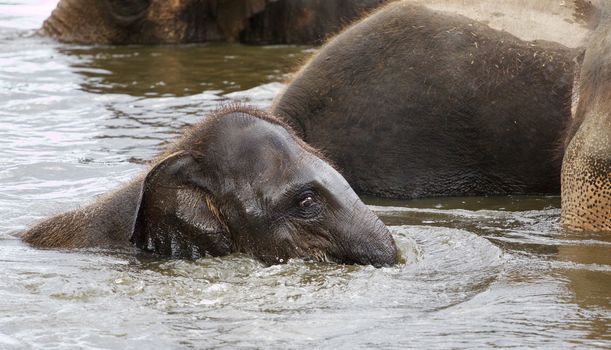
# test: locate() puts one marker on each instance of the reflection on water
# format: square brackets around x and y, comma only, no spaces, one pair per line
[490,272]
[177,70]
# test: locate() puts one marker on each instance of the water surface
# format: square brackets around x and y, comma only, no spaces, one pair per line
[77,121]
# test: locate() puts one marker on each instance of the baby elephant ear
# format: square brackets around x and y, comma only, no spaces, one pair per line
[176,215]
[125,12]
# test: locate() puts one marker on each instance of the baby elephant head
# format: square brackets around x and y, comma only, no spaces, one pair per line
[243,182]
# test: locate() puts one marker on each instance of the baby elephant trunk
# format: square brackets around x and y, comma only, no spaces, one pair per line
[367,241]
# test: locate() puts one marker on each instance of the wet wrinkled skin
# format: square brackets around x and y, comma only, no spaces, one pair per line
[239,181]
[413,102]
[193,21]
[586,168]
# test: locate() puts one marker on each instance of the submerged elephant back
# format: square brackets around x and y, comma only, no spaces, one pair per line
[412,102]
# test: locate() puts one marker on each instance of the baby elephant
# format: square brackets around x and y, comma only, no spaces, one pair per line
[239,181]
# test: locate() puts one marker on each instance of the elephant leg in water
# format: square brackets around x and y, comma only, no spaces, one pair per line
[239,181]
[586,168]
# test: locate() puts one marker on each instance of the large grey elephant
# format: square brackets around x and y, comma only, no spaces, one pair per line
[239,181]
[413,102]
[417,102]
[189,21]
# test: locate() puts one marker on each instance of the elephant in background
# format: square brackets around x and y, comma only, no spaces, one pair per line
[195,21]
[414,101]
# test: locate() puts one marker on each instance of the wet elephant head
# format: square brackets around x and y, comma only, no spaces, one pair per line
[243,182]
[149,21]
[188,21]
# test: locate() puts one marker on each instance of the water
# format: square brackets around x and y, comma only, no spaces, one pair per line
[76,121]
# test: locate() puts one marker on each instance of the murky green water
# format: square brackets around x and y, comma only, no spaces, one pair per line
[76,121]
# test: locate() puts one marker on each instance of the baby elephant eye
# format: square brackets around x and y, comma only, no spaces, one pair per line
[308,205]
[306,202]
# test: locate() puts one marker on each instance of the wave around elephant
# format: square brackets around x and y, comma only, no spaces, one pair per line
[240,181]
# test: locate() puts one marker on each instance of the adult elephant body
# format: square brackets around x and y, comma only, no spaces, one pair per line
[240,181]
[412,102]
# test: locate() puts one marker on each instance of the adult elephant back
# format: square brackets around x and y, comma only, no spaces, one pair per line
[412,102]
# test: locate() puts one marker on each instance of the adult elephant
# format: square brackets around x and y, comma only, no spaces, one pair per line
[413,102]
[240,181]
[189,21]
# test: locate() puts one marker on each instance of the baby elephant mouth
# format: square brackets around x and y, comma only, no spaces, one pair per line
[320,256]
[377,261]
